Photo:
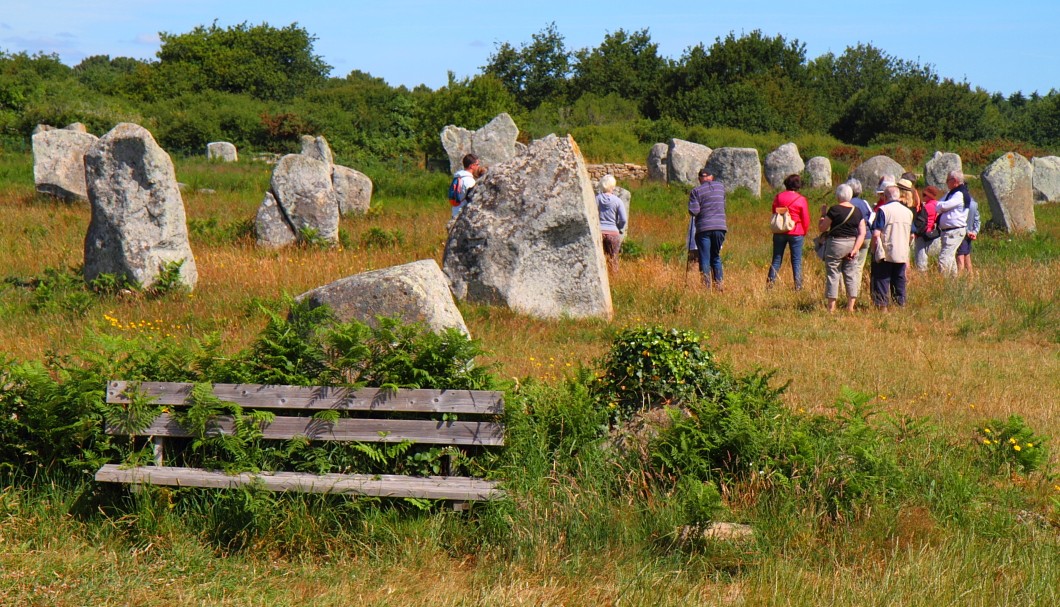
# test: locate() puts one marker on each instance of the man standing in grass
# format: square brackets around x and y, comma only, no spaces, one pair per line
[953,221]
[706,205]
[890,249]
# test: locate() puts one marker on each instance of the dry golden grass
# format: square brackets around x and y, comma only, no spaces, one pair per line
[960,351]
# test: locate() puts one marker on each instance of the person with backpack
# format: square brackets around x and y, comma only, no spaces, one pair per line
[795,205]
[463,181]
[925,228]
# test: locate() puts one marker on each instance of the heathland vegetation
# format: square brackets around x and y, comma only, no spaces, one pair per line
[880,459]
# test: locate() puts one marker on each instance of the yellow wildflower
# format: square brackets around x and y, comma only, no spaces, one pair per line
[986,441]
[1016,447]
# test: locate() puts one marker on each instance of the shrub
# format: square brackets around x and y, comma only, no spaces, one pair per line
[1011,443]
[381,238]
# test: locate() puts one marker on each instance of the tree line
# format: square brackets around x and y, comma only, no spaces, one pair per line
[261,87]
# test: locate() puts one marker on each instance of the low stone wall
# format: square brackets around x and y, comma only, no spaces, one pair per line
[623,171]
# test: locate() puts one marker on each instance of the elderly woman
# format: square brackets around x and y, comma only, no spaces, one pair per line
[612,220]
[843,227]
[799,209]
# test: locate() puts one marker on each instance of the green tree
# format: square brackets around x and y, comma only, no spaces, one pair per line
[534,72]
[468,102]
[626,64]
[261,61]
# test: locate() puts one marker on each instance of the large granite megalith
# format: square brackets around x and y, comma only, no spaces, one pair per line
[870,171]
[782,162]
[413,292]
[685,159]
[304,193]
[59,161]
[1007,182]
[737,168]
[493,144]
[530,238]
[939,167]
[1045,179]
[223,151]
[818,172]
[659,163]
[138,227]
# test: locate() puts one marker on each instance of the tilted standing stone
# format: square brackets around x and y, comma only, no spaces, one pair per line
[1046,179]
[1007,182]
[658,163]
[271,226]
[413,292]
[138,226]
[493,144]
[685,159]
[59,162]
[939,167]
[317,148]
[302,187]
[737,167]
[353,190]
[819,172]
[222,150]
[870,171]
[782,162]
[530,237]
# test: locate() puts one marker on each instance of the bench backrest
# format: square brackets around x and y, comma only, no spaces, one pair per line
[473,415]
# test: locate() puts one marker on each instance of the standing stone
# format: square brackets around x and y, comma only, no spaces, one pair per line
[530,238]
[272,228]
[782,162]
[737,167]
[658,162]
[939,167]
[819,172]
[685,160]
[302,186]
[221,150]
[1007,182]
[413,292]
[77,127]
[137,226]
[317,148]
[353,190]
[59,162]
[1046,179]
[493,144]
[870,171]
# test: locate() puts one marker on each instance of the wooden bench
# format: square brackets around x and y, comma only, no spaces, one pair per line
[366,415]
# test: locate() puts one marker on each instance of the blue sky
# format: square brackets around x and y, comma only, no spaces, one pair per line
[1001,47]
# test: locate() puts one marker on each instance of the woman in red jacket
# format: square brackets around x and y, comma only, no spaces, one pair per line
[799,209]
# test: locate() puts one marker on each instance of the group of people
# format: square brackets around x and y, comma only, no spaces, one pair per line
[904,224]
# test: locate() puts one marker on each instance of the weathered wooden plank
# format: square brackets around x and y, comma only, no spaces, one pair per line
[468,402]
[435,487]
[350,429]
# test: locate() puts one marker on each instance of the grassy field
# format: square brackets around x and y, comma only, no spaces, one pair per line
[985,345]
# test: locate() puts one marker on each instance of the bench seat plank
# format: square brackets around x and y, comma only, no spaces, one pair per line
[434,487]
[254,396]
[349,429]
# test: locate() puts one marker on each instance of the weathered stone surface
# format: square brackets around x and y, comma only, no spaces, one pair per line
[413,292]
[736,168]
[938,168]
[493,144]
[530,238]
[658,162]
[685,159]
[1045,179]
[271,227]
[302,186]
[870,171]
[40,128]
[138,223]
[819,172]
[353,190]
[222,150]
[317,148]
[77,127]
[782,162]
[59,162]
[1007,182]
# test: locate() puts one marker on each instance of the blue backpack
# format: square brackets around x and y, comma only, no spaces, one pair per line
[457,193]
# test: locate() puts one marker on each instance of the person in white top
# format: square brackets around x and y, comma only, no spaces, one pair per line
[953,221]
[467,180]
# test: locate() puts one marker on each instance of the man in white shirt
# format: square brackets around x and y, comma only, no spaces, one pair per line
[467,181]
[953,221]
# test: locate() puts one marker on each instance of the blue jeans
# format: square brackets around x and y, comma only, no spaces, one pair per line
[795,243]
[708,244]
